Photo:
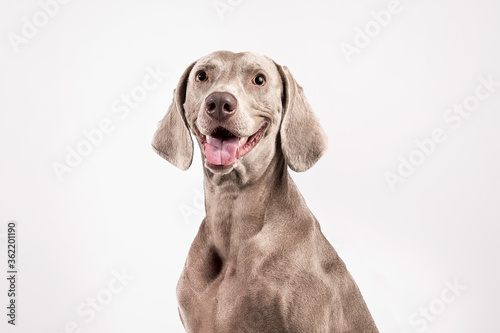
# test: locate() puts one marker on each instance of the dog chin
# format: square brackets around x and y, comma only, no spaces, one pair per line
[220,169]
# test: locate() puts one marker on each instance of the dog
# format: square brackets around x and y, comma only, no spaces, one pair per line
[259,262]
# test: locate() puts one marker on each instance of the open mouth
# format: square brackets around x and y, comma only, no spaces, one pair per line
[223,148]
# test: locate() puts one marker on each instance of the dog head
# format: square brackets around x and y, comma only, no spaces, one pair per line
[243,108]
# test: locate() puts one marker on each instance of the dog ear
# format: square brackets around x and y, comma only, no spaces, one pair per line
[172,139]
[303,139]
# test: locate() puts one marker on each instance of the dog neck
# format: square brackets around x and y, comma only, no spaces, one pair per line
[236,203]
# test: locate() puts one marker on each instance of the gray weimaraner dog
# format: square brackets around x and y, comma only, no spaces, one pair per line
[259,262]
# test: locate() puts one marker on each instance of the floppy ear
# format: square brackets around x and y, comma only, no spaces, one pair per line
[303,140]
[172,139]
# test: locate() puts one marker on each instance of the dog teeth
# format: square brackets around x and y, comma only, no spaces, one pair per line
[235,165]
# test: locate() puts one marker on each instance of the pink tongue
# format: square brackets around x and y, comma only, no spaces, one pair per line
[221,152]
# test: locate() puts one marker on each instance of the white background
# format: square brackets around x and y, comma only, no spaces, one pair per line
[125,208]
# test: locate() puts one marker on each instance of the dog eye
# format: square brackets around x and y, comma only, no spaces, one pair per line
[259,80]
[201,76]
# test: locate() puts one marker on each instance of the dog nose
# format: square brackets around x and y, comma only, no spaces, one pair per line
[220,105]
